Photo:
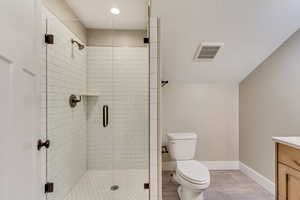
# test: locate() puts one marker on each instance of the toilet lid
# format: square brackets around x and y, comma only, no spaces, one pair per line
[193,170]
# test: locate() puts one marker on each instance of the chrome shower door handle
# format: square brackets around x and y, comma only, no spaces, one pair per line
[105,115]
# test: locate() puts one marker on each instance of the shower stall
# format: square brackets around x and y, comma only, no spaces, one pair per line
[96,111]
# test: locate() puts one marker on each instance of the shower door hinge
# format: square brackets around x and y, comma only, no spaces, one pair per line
[41,144]
[146,185]
[146,40]
[49,187]
[49,39]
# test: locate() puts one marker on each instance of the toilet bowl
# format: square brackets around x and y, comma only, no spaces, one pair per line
[192,176]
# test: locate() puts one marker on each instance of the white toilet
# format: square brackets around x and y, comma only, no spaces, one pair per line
[192,176]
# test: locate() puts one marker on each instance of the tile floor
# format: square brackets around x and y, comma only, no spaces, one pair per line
[225,185]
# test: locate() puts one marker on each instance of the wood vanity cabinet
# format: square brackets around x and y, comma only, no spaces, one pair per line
[287,172]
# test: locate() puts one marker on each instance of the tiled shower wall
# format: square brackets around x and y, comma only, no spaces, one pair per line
[119,76]
[155,169]
[67,127]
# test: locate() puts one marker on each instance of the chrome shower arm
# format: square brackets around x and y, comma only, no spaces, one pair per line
[80,46]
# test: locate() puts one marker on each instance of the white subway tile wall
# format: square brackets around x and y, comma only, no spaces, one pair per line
[154,103]
[120,75]
[67,127]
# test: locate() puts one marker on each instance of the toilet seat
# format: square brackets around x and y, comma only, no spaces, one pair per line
[193,171]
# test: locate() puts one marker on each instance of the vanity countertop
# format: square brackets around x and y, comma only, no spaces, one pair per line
[290,141]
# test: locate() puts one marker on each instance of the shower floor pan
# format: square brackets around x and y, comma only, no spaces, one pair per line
[97,184]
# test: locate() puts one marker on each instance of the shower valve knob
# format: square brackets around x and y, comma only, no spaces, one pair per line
[73,100]
[41,144]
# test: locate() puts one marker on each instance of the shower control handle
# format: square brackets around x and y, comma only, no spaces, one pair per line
[105,115]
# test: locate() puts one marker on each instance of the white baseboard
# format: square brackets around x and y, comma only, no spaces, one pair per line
[211,165]
[258,178]
[221,165]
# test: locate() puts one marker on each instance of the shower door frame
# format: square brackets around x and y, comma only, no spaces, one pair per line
[154,108]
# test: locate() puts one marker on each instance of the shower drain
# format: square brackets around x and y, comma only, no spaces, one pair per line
[114,187]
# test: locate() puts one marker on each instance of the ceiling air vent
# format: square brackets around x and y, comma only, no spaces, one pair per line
[207,51]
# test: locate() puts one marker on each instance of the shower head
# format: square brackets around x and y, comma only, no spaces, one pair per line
[80,46]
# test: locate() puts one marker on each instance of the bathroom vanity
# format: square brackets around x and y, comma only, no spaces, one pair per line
[287,168]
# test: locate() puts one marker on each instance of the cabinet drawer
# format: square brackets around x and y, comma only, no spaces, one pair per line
[289,156]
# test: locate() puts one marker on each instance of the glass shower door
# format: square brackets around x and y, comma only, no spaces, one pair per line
[130,108]
[130,116]
[118,144]
[66,110]
[99,121]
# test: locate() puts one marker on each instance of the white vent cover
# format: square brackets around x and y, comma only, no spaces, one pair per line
[207,51]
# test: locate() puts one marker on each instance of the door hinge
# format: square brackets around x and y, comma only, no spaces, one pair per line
[49,187]
[41,144]
[146,185]
[49,39]
[146,40]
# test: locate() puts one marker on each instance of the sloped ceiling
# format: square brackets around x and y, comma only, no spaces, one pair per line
[250,30]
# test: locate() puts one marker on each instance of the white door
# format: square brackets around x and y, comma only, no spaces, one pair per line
[20,171]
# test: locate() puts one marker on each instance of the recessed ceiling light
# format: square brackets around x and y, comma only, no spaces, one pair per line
[115,11]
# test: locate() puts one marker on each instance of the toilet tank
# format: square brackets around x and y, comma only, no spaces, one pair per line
[182,146]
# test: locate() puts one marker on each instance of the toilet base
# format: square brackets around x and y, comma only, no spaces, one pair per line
[185,194]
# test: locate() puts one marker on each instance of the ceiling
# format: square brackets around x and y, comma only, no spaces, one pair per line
[96,13]
[250,30]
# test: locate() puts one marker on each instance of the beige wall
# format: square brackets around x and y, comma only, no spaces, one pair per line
[210,110]
[66,15]
[131,38]
[270,106]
